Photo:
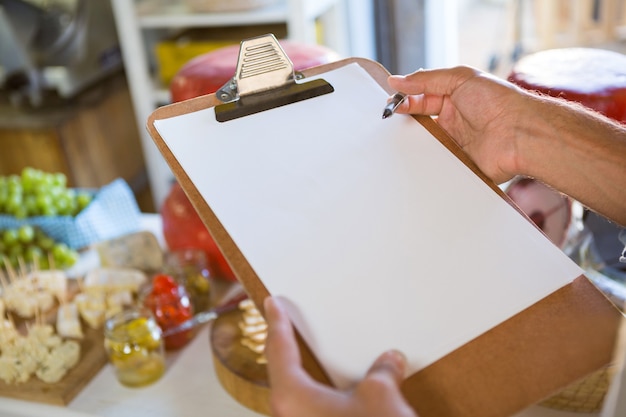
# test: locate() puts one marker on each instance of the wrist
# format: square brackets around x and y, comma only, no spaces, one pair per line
[535,137]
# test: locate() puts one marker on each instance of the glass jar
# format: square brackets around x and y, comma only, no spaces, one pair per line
[190,268]
[170,304]
[132,340]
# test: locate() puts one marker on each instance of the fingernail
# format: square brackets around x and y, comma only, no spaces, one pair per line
[395,358]
[269,304]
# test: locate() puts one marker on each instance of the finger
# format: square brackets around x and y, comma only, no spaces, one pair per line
[428,90]
[391,364]
[436,82]
[281,349]
[422,104]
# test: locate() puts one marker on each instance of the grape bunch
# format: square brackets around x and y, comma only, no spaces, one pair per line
[30,245]
[38,193]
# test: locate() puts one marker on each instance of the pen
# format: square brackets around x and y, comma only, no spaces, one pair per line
[391,107]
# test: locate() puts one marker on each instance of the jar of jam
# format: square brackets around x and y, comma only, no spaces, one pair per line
[132,340]
[171,305]
[190,268]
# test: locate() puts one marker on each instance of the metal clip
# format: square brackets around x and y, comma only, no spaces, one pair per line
[262,65]
[264,79]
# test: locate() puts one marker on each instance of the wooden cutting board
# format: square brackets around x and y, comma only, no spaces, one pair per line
[92,358]
[236,366]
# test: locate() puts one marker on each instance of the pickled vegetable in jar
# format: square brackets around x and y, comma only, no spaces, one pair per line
[170,304]
[190,268]
[132,340]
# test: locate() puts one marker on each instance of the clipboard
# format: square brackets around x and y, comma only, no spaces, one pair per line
[561,338]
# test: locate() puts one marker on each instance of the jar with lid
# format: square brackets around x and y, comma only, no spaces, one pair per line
[190,268]
[133,342]
[170,304]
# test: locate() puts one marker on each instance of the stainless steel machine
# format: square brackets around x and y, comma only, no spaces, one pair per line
[55,46]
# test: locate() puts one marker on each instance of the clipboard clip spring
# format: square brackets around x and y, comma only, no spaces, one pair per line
[264,79]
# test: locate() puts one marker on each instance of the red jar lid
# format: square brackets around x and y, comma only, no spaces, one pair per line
[207,73]
[593,77]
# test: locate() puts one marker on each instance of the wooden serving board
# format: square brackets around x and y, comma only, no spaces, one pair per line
[235,365]
[92,358]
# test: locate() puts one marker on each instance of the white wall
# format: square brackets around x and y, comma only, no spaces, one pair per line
[442,36]
[361,30]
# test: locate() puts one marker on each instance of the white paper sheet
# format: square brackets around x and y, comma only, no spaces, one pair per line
[375,234]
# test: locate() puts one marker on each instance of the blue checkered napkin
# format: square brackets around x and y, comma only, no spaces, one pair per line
[113,212]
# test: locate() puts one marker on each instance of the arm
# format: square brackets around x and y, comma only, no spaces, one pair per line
[295,393]
[508,131]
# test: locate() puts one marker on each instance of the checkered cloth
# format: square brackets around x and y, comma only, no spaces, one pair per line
[113,212]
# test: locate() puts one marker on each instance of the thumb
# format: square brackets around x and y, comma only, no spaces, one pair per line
[391,364]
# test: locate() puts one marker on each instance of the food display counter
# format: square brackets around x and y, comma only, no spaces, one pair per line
[188,388]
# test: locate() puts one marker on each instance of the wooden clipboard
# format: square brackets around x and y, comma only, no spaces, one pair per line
[525,359]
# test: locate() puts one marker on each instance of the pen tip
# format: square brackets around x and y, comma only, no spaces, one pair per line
[387,113]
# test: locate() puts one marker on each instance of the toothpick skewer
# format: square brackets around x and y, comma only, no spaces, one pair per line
[51,261]
[3,280]
[9,268]
[22,265]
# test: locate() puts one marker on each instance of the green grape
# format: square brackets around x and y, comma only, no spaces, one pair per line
[38,249]
[38,193]
[46,243]
[83,199]
[14,183]
[30,202]
[15,252]
[46,180]
[55,192]
[20,212]
[62,207]
[13,261]
[70,193]
[4,196]
[44,263]
[71,257]
[10,237]
[59,251]
[29,179]
[13,202]
[72,204]
[33,253]
[44,202]
[26,233]
[63,255]
[59,179]
[49,211]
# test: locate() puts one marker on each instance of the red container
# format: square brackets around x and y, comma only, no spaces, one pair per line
[171,306]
